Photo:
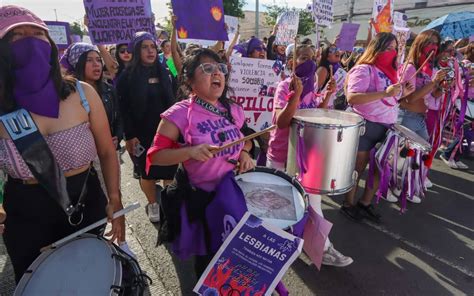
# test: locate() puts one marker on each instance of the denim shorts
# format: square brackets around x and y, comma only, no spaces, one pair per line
[415,122]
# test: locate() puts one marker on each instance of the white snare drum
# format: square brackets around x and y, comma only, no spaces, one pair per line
[87,265]
[273,196]
[322,149]
[410,139]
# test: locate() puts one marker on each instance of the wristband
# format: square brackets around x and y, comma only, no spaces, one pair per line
[248,152]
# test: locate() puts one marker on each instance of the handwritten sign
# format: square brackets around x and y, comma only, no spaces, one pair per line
[287,27]
[347,36]
[402,35]
[59,32]
[254,82]
[251,261]
[323,12]
[400,19]
[114,21]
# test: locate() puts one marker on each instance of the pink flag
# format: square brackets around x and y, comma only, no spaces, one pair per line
[315,233]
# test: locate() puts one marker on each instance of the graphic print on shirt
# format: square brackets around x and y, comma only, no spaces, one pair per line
[221,131]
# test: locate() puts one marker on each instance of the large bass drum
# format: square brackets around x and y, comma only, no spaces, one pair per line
[323,148]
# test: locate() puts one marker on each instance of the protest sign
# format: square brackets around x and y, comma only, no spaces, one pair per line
[382,13]
[287,23]
[400,19]
[232,26]
[113,22]
[323,12]
[315,234]
[251,261]
[200,19]
[59,32]
[347,36]
[254,82]
[402,35]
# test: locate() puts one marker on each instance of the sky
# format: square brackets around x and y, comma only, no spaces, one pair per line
[73,10]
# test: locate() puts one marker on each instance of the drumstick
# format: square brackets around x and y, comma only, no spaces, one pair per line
[249,137]
[294,55]
[330,72]
[117,214]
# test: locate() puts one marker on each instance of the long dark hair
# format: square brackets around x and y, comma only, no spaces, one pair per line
[79,71]
[419,43]
[190,64]
[64,86]
[324,62]
[121,64]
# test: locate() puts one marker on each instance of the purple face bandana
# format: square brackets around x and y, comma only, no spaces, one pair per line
[34,88]
[306,72]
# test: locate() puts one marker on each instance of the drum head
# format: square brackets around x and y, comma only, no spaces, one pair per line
[83,266]
[413,138]
[273,196]
[328,117]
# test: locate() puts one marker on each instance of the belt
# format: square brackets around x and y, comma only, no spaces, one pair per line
[21,181]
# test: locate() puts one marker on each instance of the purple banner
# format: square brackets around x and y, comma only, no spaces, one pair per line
[200,19]
[252,260]
[116,21]
[347,36]
[60,33]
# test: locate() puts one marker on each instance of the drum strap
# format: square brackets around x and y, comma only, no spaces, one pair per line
[37,155]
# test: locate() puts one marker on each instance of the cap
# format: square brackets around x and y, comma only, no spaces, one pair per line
[12,16]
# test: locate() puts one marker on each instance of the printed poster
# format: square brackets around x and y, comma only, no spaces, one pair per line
[323,12]
[59,32]
[382,13]
[402,34]
[254,83]
[400,19]
[113,22]
[232,26]
[200,19]
[287,27]
[251,261]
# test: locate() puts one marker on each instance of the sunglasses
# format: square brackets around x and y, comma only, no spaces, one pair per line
[260,49]
[210,69]
[124,50]
[333,50]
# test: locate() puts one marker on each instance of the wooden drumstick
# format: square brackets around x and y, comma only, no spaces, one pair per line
[117,214]
[249,137]
[331,73]
[294,55]
[421,67]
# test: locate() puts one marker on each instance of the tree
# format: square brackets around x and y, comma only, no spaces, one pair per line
[306,24]
[234,7]
[76,29]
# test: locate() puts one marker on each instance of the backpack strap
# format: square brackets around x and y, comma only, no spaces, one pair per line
[84,101]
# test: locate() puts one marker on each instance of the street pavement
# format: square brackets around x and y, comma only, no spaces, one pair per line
[428,250]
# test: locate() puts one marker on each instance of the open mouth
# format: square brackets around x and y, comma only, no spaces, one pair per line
[216,83]
[97,72]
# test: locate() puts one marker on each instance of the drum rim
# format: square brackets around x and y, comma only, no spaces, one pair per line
[292,180]
[295,120]
[425,147]
[27,276]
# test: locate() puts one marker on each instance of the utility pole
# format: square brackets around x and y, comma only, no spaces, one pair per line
[56,13]
[351,10]
[257,17]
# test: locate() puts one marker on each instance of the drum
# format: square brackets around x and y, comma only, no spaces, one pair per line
[87,265]
[273,196]
[410,139]
[323,148]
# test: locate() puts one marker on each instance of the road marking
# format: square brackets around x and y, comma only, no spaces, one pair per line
[398,237]
[451,222]
[452,190]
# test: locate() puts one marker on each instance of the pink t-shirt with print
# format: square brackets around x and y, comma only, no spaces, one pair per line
[278,144]
[419,81]
[200,126]
[367,79]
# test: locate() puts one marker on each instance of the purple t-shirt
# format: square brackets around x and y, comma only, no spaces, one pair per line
[278,143]
[367,79]
[200,126]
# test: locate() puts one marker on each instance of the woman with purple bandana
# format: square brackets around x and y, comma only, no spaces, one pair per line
[71,119]
[145,91]
[298,92]
[254,48]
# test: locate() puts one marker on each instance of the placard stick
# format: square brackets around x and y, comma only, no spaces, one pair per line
[330,72]
[117,214]
[249,137]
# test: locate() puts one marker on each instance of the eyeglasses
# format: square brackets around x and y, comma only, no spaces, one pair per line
[124,50]
[210,69]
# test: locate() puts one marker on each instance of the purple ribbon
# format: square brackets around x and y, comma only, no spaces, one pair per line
[281,289]
[300,150]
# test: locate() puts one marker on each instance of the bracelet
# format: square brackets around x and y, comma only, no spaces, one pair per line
[248,152]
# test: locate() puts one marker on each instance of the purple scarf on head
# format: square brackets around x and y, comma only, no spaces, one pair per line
[246,48]
[34,88]
[306,72]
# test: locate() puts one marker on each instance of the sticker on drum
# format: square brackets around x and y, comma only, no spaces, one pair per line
[273,196]
[87,265]
[415,140]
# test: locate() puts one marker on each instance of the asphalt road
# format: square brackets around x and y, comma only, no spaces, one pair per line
[426,251]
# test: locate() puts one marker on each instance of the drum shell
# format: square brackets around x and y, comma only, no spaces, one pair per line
[330,151]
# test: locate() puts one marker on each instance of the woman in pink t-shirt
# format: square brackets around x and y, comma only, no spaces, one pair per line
[373,91]
[203,121]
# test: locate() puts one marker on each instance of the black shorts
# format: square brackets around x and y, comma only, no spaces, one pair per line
[374,133]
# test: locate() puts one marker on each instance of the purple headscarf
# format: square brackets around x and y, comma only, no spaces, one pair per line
[73,53]
[139,37]
[246,48]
